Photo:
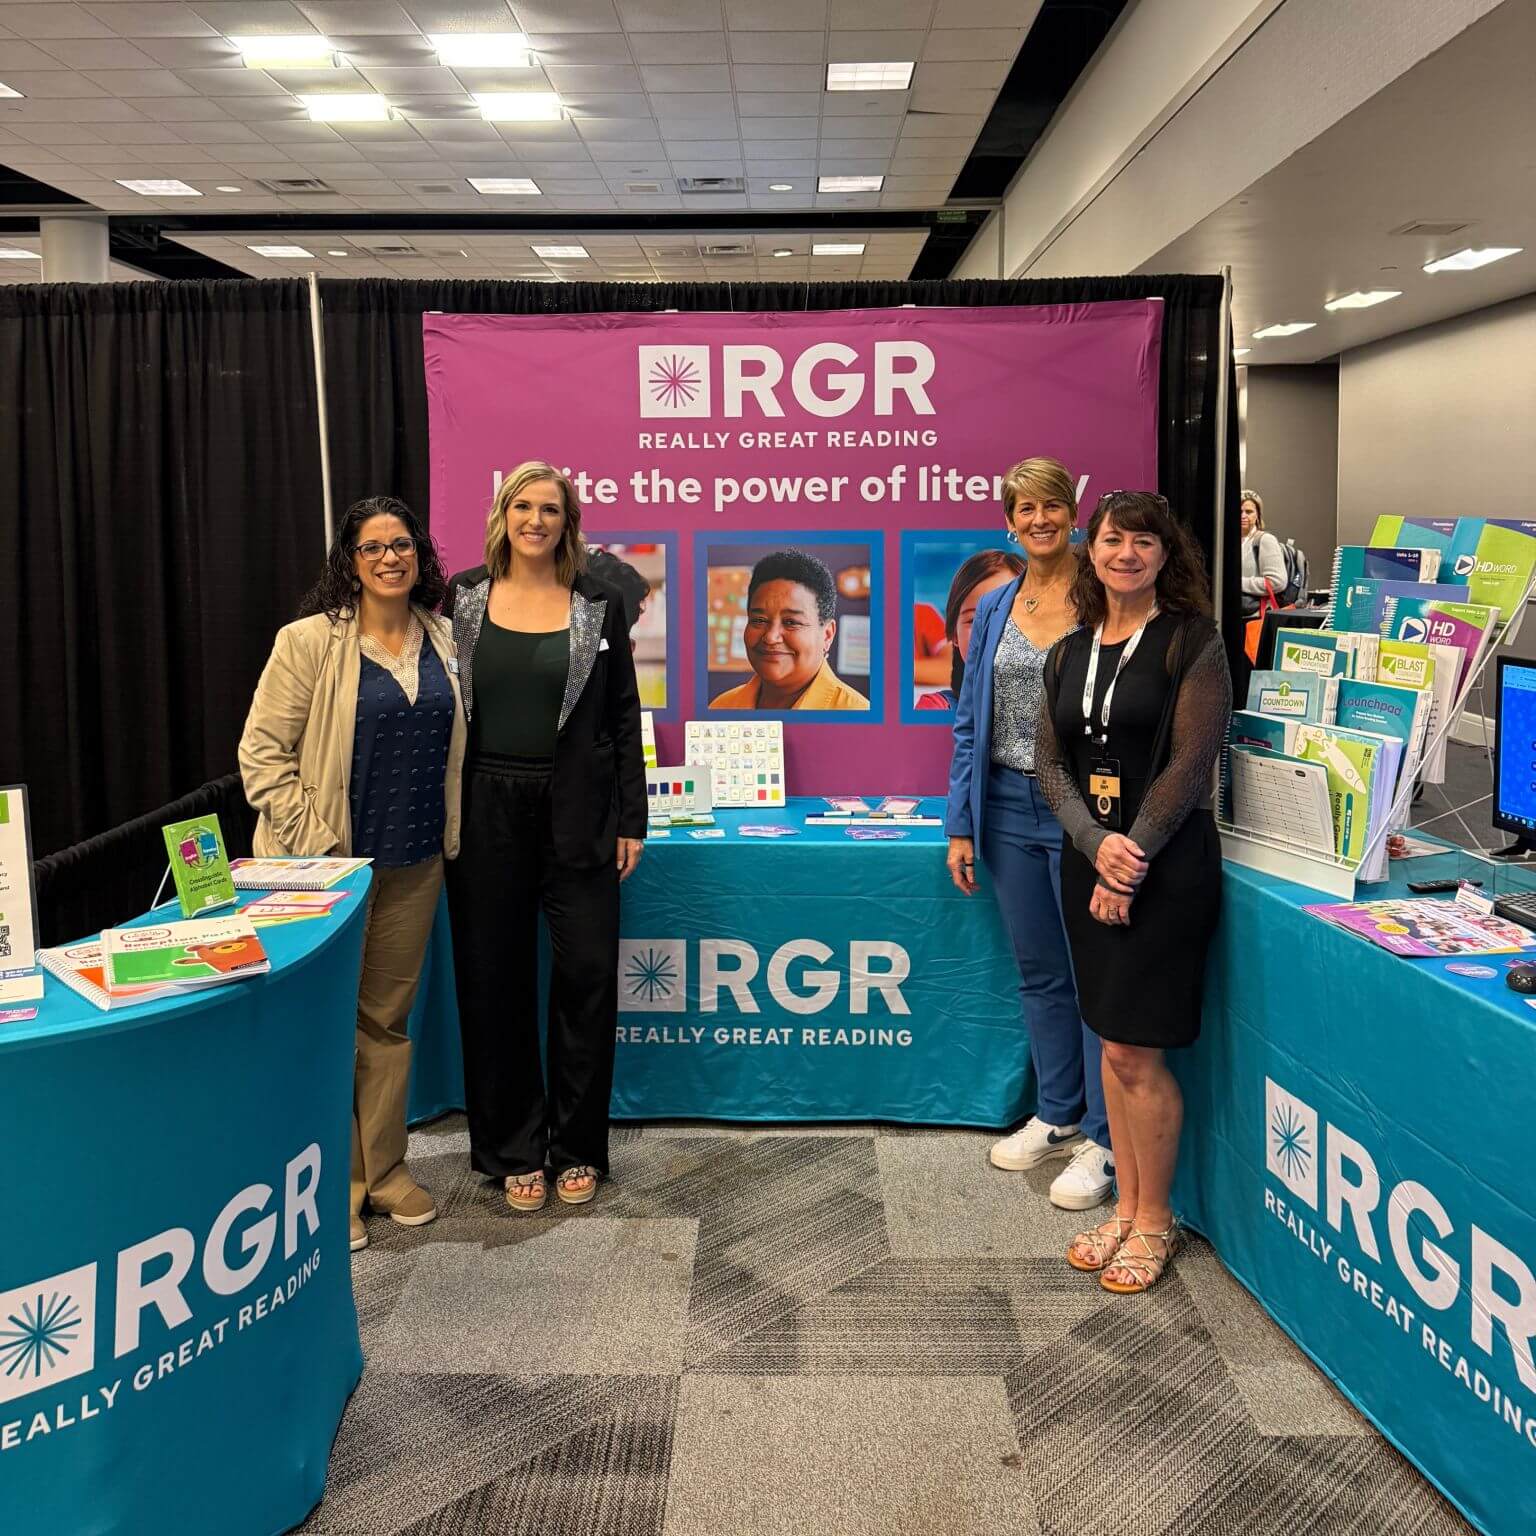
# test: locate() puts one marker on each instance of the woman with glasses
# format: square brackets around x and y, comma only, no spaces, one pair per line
[1135,711]
[354,745]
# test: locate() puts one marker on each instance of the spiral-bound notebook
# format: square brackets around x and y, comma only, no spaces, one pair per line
[292,874]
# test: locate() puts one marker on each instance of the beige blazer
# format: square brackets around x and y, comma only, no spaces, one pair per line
[296,750]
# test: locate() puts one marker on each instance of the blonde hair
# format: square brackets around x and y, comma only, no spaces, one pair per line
[570,558]
[1258,506]
[1049,479]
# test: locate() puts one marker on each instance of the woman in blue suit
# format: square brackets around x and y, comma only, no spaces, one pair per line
[995,803]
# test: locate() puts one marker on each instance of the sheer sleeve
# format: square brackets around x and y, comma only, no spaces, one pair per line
[1200,716]
[1057,782]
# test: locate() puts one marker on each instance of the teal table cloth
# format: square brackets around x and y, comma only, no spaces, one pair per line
[1357,1147]
[177,1332]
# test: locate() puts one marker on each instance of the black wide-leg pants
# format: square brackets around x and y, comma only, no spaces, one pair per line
[505,873]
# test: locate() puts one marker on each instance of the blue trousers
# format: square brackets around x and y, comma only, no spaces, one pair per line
[1021,846]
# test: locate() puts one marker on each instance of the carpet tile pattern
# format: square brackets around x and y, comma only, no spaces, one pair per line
[827,1331]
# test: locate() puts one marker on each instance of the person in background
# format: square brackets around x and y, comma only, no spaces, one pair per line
[995,804]
[791,623]
[354,745]
[633,589]
[983,572]
[1136,708]
[1263,559]
[554,819]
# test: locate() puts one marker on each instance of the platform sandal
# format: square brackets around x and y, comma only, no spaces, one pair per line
[1146,1268]
[1102,1244]
[526,1192]
[573,1176]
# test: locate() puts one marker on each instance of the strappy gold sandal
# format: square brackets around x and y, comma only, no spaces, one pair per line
[1146,1267]
[526,1192]
[573,1176]
[1103,1245]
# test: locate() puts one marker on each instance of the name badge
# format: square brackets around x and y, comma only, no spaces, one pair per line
[453,665]
[1104,792]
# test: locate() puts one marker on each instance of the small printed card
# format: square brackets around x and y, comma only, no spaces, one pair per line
[199,865]
[768,830]
[875,834]
[707,832]
[898,805]
[17,1015]
[849,805]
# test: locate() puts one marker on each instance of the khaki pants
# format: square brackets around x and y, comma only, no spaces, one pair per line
[402,904]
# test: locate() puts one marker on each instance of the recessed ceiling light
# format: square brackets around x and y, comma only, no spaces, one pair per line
[505,186]
[163,188]
[1241,351]
[5,90]
[308,50]
[1289,328]
[784,250]
[562,252]
[892,76]
[347,107]
[519,106]
[781,186]
[280,252]
[10,253]
[849,183]
[1363,298]
[336,253]
[837,248]
[226,189]
[482,50]
[1470,260]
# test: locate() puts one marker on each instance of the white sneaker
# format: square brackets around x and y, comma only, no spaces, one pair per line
[1034,1143]
[1086,1181]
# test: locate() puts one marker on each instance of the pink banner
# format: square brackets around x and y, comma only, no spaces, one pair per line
[858,453]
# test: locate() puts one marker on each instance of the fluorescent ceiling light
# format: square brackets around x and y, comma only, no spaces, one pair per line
[784,251]
[1241,351]
[519,106]
[279,252]
[893,76]
[347,107]
[5,90]
[1470,260]
[10,253]
[836,248]
[1363,298]
[482,50]
[562,252]
[336,253]
[781,186]
[226,189]
[505,186]
[849,183]
[308,50]
[1290,328]
[164,188]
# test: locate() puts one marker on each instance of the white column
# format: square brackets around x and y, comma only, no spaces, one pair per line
[74,248]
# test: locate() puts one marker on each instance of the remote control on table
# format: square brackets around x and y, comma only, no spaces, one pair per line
[1437,887]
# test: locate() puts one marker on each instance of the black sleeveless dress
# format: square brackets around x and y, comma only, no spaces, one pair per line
[1139,984]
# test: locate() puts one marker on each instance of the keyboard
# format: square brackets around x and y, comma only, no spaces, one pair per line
[1518,909]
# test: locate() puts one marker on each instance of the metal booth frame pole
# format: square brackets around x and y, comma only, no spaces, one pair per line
[1224,359]
[317,336]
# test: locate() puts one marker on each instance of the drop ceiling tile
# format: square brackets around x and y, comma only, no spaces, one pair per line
[224,133]
[455,129]
[615,138]
[585,109]
[679,47]
[921,165]
[255,109]
[187,109]
[670,15]
[430,81]
[635,168]
[39,22]
[103,109]
[953,99]
[302,81]
[192,53]
[983,13]
[781,149]
[151,133]
[940,125]
[300,131]
[719,104]
[778,104]
[802,172]
[881,47]
[51,85]
[807,78]
[713,201]
[582,79]
[873,130]
[779,48]
[17,55]
[538,133]
[140,82]
[359,18]
[393,152]
[58,133]
[692,128]
[775,15]
[777,128]
[865,103]
[151,19]
[254,18]
[220,83]
[911,199]
[99,53]
[664,78]
[960,43]
[502,79]
[708,169]
[581,47]
[566,16]
[926,184]
[837,154]
[339,153]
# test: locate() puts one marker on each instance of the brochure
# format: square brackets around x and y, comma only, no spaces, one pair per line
[292,874]
[199,865]
[1424,926]
[292,907]
[19,979]
[180,955]
[1291,695]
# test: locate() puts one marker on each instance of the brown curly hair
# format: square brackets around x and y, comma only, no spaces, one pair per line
[1182,584]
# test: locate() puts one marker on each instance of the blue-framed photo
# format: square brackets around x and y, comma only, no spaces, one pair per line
[789,625]
[653,633]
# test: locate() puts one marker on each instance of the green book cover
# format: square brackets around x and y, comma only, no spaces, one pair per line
[1351,766]
[199,865]
[186,954]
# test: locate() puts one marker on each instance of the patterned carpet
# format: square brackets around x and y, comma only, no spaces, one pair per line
[845,1330]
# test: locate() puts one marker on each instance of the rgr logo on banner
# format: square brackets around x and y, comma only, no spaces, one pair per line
[675,381]
[653,976]
[1348,1189]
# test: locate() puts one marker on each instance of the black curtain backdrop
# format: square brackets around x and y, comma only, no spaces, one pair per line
[160,513]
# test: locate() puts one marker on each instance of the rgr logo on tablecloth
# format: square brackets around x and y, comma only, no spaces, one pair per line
[653,976]
[1290,1147]
[47,1332]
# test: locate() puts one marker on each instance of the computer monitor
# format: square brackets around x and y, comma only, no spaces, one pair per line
[1514,757]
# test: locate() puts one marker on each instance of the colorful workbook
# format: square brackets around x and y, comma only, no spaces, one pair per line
[1293,695]
[1281,798]
[1359,605]
[1366,562]
[1470,627]
[82,968]
[1434,669]
[1446,534]
[1492,557]
[199,865]
[1386,709]
[292,874]
[200,953]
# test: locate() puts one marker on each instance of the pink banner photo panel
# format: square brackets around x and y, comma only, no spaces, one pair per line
[710,441]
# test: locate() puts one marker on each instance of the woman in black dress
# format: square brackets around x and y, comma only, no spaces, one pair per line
[1137,701]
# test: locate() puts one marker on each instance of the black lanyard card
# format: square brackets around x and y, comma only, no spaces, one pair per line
[1104,792]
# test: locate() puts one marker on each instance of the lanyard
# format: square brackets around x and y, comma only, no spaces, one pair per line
[1093,676]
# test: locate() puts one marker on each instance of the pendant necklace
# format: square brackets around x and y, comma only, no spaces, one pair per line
[1031,603]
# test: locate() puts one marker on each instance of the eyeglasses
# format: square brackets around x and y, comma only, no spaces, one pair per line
[373,550]
[1108,496]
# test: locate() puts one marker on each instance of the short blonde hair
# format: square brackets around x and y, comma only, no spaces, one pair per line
[570,558]
[1049,479]
[1258,506]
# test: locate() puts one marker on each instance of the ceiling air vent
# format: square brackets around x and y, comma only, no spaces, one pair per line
[642,188]
[294,186]
[711,184]
[436,189]
[1433,227]
[716,252]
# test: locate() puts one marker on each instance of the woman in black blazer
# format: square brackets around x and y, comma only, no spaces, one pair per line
[553,819]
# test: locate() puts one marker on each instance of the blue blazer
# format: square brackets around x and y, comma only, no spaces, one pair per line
[972,758]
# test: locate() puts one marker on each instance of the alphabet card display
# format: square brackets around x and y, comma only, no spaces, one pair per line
[745,759]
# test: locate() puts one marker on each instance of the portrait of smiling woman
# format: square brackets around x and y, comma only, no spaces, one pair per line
[791,624]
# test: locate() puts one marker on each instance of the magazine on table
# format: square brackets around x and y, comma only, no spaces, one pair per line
[1424,927]
[293,874]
